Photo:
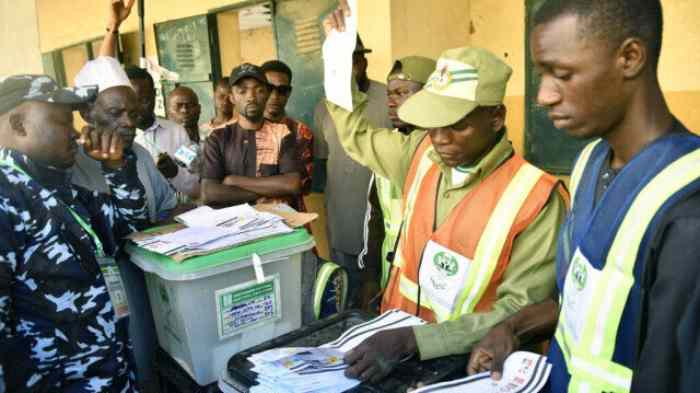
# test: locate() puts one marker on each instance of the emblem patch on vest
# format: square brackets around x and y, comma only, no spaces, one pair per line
[446,263]
[579,274]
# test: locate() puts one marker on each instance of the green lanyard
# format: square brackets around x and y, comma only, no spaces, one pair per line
[81,222]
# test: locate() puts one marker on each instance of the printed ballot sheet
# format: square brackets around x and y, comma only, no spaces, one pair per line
[523,372]
[322,369]
[337,61]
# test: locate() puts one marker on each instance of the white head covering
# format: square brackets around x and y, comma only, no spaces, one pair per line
[104,72]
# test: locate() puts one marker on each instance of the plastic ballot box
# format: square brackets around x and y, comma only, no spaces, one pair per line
[208,308]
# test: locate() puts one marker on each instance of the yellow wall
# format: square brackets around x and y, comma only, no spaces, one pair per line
[229,41]
[397,28]
[257,46]
[374,26]
[418,29]
[19,38]
[87,18]
[502,30]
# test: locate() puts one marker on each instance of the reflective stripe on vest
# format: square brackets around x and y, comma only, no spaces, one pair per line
[590,360]
[580,165]
[423,168]
[390,201]
[489,247]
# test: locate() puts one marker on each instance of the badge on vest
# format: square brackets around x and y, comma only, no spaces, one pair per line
[115,286]
[443,274]
[579,288]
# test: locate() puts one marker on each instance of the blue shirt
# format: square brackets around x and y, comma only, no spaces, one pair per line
[58,329]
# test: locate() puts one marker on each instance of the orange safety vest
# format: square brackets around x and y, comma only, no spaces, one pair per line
[481,228]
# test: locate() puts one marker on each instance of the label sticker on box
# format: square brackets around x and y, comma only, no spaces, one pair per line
[248,304]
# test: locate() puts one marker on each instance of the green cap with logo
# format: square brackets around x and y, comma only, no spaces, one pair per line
[412,68]
[464,79]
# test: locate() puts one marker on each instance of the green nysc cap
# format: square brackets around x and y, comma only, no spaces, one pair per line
[412,68]
[464,79]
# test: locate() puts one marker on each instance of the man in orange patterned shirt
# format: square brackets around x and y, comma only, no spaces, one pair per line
[279,76]
[252,160]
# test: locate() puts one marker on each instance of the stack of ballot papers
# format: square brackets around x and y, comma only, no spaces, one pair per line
[319,370]
[523,372]
[209,230]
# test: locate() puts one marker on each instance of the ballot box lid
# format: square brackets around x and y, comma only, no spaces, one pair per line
[236,257]
[318,333]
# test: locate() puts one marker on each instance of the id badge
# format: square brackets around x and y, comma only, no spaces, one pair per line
[443,274]
[579,288]
[115,286]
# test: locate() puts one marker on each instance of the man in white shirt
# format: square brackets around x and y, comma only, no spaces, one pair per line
[161,137]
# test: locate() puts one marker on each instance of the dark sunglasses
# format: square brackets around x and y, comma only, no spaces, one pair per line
[283,90]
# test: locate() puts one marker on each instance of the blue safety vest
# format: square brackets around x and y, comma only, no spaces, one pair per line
[601,255]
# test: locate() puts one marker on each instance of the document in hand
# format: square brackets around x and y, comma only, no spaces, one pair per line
[320,370]
[337,61]
[523,372]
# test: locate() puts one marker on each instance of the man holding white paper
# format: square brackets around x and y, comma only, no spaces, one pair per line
[347,181]
[464,274]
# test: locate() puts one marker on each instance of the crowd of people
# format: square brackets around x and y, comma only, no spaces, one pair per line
[429,208]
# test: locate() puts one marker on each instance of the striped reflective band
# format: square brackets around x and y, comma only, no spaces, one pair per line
[409,290]
[580,165]
[423,167]
[490,246]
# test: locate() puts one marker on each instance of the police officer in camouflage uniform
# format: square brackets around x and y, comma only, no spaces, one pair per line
[63,309]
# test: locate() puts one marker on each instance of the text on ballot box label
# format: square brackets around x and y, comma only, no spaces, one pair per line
[248,304]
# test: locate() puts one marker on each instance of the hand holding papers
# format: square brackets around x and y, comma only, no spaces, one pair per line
[341,36]
[523,372]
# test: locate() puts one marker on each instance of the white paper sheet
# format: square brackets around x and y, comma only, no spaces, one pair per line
[337,61]
[523,372]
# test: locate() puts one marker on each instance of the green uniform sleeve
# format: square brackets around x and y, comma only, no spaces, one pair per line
[386,152]
[529,279]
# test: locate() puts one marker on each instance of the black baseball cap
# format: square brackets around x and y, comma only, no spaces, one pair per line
[247,70]
[16,89]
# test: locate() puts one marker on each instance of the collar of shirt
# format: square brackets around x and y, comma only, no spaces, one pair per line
[499,153]
[154,127]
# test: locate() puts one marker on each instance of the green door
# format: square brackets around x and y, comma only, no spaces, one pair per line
[189,47]
[299,39]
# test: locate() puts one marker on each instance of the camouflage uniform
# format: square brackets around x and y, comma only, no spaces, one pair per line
[58,329]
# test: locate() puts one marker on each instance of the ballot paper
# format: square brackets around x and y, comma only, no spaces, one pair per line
[209,230]
[337,61]
[523,372]
[320,370]
[205,216]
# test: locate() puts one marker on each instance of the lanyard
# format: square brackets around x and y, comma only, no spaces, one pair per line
[87,227]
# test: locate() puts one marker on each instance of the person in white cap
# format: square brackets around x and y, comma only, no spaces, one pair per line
[116,109]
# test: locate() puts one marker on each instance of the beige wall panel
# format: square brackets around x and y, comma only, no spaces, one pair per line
[428,28]
[229,41]
[19,38]
[258,45]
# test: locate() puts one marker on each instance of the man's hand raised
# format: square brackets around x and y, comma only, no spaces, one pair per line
[336,19]
[119,10]
[105,146]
